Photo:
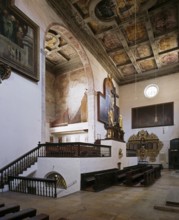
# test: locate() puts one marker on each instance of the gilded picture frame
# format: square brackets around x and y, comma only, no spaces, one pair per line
[104,101]
[19,41]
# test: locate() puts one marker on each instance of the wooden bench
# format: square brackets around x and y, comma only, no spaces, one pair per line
[104,180]
[25,213]
[9,209]
[89,180]
[149,177]
[121,176]
[157,170]
[135,167]
[136,176]
[40,217]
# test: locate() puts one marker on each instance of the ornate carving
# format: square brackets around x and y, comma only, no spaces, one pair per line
[145,144]
[5,71]
[120,153]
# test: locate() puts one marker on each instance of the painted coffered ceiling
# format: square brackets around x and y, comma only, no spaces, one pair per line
[132,39]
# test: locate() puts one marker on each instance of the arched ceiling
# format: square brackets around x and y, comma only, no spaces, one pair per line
[61,57]
[132,39]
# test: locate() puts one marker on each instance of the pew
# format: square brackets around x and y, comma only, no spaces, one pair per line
[136,176]
[104,180]
[121,176]
[8,209]
[149,177]
[13,212]
[133,167]
[143,174]
[98,180]
[24,213]
[40,217]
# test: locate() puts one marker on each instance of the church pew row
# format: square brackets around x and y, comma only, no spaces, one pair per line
[136,176]
[98,180]
[25,213]
[13,212]
[144,175]
[40,217]
[104,180]
[9,209]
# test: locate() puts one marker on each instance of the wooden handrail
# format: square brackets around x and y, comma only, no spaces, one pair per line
[36,186]
[71,149]
[20,164]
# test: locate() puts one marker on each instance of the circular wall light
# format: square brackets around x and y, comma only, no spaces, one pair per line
[151,90]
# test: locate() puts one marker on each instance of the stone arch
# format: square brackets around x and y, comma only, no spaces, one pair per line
[61,183]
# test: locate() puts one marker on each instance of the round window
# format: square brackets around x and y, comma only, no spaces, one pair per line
[151,90]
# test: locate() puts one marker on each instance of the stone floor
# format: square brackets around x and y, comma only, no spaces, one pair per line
[114,203]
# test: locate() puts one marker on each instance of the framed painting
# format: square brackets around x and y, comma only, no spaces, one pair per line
[153,115]
[19,41]
[104,100]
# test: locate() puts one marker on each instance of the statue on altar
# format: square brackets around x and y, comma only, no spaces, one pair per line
[111,117]
[114,129]
[120,121]
[109,112]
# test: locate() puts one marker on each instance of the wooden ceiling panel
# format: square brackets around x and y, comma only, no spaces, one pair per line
[167,43]
[164,20]
[147,65]
[142,51]
[128,70]
[135,33]
[120,58]
[130,38]
[110,40]
[169,58]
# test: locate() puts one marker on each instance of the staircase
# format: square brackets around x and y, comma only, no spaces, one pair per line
[10,174]
[21,164]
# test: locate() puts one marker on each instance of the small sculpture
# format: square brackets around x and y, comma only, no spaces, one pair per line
[120,122]
[111,117]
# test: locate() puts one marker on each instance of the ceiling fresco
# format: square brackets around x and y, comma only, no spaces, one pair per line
[132,39]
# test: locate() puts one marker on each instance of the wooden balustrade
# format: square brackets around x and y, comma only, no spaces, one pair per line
[72,149]
[36,186]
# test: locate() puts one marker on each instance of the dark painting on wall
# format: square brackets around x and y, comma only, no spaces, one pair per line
[107,102]
[18,40]
[104,100]
[153,115]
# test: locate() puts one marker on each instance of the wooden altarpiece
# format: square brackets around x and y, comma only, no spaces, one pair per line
[108,111]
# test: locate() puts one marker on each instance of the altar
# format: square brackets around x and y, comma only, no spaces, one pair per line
[118,153]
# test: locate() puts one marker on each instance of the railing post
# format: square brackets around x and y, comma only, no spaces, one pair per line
[55,195]
[1,183]
[38,149]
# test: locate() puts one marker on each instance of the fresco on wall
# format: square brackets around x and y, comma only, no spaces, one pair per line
[71,99]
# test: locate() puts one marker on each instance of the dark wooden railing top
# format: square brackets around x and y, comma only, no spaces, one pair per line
[71,149]
[76,149]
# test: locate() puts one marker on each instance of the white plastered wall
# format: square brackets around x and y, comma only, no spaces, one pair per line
[132,96]
[22,101]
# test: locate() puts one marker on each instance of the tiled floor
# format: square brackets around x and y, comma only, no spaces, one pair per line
[114,203]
